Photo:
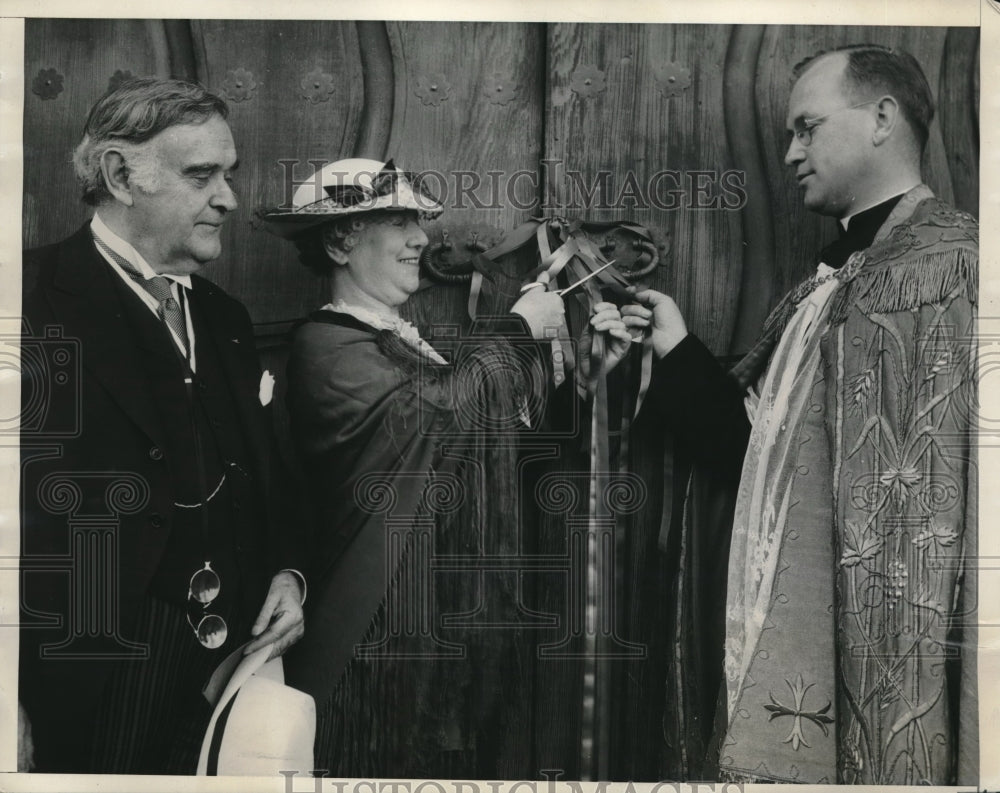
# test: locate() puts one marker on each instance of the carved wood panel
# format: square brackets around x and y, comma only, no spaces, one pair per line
[678,128]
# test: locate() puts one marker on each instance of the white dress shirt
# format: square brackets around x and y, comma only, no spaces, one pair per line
[178,286]
[178,283]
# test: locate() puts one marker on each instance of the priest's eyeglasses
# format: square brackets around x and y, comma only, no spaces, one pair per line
[802,127]
[204,587]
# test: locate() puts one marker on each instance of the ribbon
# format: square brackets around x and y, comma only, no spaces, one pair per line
[566,254]
[386,182]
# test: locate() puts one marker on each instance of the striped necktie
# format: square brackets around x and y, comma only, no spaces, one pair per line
[159,287]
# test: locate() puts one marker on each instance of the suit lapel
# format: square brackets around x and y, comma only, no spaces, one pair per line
[86,299]
[214,322]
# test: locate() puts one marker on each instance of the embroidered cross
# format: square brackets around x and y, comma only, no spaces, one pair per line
[817,717]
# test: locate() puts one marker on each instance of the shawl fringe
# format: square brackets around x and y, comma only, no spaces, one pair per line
[392,715]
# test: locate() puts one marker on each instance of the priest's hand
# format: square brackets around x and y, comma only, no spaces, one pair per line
[655,310]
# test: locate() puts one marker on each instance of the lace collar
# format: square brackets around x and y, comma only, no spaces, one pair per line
[397,325]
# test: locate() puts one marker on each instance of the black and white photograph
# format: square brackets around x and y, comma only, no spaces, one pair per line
[577,397]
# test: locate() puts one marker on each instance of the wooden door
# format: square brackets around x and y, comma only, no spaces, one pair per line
[677,127]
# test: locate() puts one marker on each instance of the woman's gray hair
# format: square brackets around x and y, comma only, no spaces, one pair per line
[128,117]
[341,233]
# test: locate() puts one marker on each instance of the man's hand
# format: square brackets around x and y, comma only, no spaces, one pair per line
[654,309]
[281,616]
[25,746]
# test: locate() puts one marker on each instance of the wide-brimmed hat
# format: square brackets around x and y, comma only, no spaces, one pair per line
[346,187]
[259,726]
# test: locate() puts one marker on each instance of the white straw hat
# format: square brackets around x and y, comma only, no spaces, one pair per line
[348,186]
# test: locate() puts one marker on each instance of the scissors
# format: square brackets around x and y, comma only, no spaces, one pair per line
[571,287]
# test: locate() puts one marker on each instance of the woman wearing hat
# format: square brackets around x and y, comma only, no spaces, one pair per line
[404,453]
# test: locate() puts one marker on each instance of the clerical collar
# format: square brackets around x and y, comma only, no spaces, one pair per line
[859,234]
[871,218]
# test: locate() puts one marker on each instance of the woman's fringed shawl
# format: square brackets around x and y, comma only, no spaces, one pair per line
[425,705]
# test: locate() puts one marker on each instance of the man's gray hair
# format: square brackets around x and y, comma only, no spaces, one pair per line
[129,116]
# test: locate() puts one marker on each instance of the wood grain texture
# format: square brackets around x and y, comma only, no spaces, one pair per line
[466,132]
[179,36]
[632,128]
[742,130]
[156,30]
[278,134]
[377,71]
[465,135]
[86,52]
[725,268]
[957,101]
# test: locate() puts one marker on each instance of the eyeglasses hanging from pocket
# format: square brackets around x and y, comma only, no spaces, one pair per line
[204,588]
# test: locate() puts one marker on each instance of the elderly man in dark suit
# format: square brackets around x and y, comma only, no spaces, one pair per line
[151,539]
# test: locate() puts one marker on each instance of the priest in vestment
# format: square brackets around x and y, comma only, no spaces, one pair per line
[850,641]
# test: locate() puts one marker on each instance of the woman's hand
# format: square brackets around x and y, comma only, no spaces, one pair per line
[654,309]
[543,311]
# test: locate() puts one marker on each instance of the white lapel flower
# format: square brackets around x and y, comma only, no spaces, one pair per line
[266,390]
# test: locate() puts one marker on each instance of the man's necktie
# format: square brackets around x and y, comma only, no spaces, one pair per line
[159,287]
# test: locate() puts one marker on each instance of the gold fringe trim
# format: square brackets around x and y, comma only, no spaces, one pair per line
[901,286]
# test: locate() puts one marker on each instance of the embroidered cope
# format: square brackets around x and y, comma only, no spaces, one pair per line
[850,641]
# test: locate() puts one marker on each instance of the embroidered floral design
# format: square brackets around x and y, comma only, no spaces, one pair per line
[239,85]
[317,86]
[937,535]
[902,482]
[941,363]
[926,599]
[900,448]
[433,89]
[860,545]
[901,241]
[818,717]
[48,84]
[861,388]
[889,688]
[898,574]
[853,762]
[587,81]
[950,218]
